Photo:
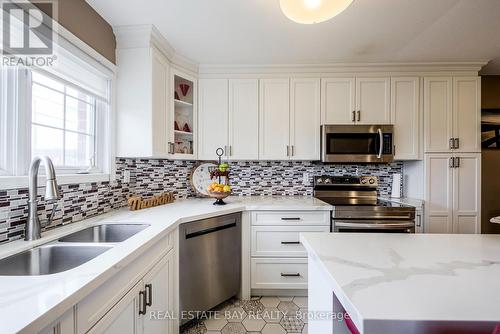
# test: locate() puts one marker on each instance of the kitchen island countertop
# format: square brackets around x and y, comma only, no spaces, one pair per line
[402,283]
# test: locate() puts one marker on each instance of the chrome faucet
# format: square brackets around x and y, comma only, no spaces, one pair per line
[33,226]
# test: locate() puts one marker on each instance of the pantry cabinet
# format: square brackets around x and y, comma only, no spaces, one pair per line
[360,100]
[452,193]
[452,114]
[405,116]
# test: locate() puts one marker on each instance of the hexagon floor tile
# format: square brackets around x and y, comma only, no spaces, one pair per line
[260,315]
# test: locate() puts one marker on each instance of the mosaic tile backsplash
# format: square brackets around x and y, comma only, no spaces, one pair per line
[151,176]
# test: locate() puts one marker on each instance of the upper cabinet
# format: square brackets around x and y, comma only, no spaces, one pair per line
[452,114]
[405,116]
[305,119]
[229,118]
[356,100]
[213,114]
[182,118]
[274,129]
[373,100]
[338,100]
[243,139]
[142,103]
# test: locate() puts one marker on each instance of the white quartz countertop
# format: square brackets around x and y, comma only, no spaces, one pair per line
[29,303]
[410,277]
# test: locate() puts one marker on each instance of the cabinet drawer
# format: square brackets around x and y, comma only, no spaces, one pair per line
[291,218]
[279,273]
[104,297]
[281,241]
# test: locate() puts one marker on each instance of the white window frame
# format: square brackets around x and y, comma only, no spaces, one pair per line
[15,140]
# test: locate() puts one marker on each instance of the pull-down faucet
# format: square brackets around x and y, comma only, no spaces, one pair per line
[33,226]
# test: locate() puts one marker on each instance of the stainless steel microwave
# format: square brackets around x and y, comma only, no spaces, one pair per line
[357,143]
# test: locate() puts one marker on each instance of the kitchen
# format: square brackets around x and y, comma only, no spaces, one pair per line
[349,175]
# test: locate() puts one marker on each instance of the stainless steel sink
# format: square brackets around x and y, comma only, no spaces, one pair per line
[49,259]
[105,233]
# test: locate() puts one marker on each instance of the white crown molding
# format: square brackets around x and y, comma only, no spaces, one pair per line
[147,35]
[340,68]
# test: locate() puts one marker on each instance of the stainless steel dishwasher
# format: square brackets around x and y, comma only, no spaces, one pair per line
[209,262]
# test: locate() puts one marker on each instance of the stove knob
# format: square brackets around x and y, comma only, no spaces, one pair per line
[319,180]
[363,181]
[372,181]
[328,181]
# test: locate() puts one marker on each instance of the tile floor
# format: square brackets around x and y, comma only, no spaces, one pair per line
[264,315]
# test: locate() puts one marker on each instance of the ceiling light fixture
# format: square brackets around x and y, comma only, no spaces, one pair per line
[313,11]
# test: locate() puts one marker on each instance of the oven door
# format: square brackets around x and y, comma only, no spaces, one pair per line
[373,226]
[357,143]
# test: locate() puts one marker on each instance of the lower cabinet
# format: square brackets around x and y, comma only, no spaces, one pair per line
[453,193]
[277,258]
[147,308]
[63,325]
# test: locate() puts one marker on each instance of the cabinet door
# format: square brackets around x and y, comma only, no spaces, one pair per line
[64,325]
[274,113]
[160,124]
[305,119]
[405,115]
[212,116]
[467,194]
[160,297]
[338,101]
[438,114]
[244,119]
[467,114]
[438,193]
[373,100]
[124,317]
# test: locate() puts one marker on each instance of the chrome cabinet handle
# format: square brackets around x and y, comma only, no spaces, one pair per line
[287,150]
[452,144]
[290,242]
[452,162]
[290,275]
[456,143]
[149,294]
[293,150]
[457,162]
[354,116]
[381,145]
[359,115]
[142,295]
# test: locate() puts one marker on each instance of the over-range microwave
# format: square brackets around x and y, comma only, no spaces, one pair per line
[357,143]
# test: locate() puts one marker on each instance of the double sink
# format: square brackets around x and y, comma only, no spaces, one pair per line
[68,252]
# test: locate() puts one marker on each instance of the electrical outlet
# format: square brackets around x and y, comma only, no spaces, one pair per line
[126,176]
[305,179]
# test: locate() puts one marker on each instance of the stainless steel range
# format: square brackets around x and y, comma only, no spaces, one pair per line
[358,209]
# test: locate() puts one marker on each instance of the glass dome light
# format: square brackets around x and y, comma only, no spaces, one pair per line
[313,11]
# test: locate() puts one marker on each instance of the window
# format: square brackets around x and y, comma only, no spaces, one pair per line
[63,124]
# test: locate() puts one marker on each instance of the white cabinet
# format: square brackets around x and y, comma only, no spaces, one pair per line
[276,258]
[452,193]
[229,118]
[467,113]
[213,117]
[452,114]
[63,325]
[142,103]
[124,317]
[373,100]
[274,120]
[305,119]
[338,100]
[243,139]
[405,116]
[356,100]
[289,119]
